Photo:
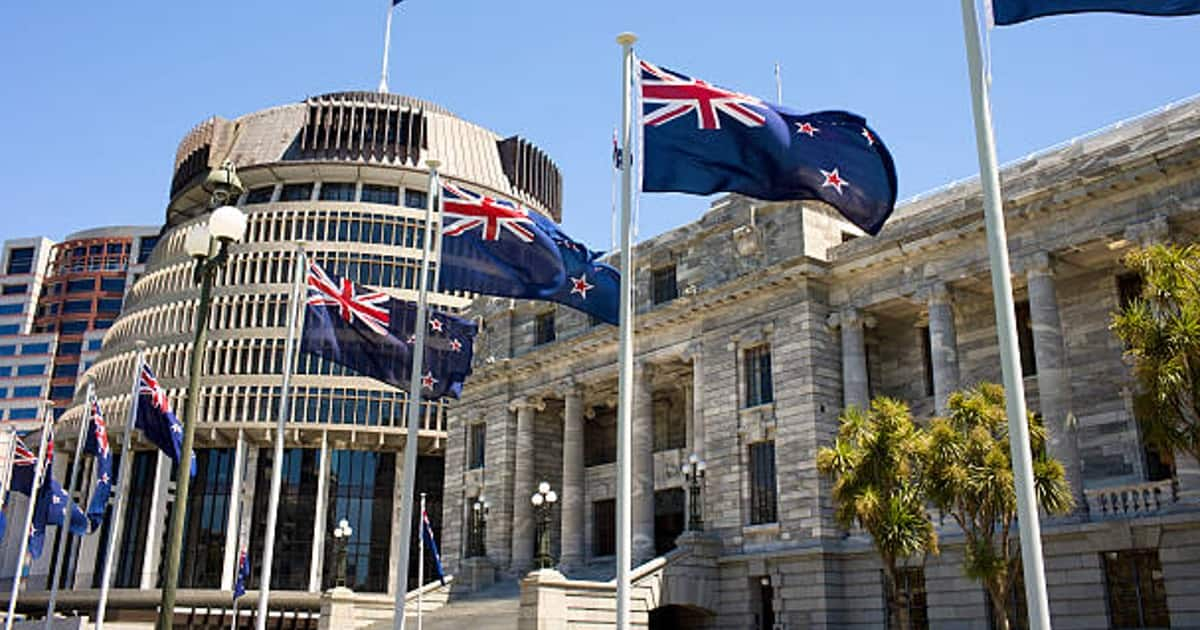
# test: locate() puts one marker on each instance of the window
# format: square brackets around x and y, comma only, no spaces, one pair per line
[477,443]
[600,437]
[11,309]
[1025,339]
[8,351]
[262,194]
[115,249]
[360,490]
[543,328]
[77,306]
[72,348]
[203,552]
[102,324]
[5,370]
[65,370]
[912,584]
[32,391]
[108,305]
[762,483]
[31,369]
[94,344]
[25,413]
[20,260]
[15,289]
[337,191]
[662,285]
[62,392]
[1129,288]
[374,193]
[1137,597]
[75,327]
[670,420]
[764,617]
[604,528]
[35,348]
[131,548]
[758,376]
[145,246]
[112,285]
[415,198]
[9,329]
[296,192]
[927,359]
[293,541]
[668,518]
[3,394]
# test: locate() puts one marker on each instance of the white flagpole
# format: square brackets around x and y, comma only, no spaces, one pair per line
[64,530]
[1006,325]
[421,566]
[387,45]
[778,84]
[37,485]
[123,482]
[295,318]
[414,398]
[625,352]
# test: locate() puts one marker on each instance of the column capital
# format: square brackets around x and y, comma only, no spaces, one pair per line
[1039,264]
[568,387]
[530,402]
[938,293]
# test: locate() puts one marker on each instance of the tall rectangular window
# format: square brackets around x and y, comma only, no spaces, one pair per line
[604,527]
[927,359]
[476,444]
[543,328]
[206,518]
[912,584]
[296,192]
[1025,339]
[662,285]
[131,548]
[1015,608]
[763,503]
[361,486]
[1137,595]
[600,437]
[293,540]
[387,195]
[759,389]
[20,260]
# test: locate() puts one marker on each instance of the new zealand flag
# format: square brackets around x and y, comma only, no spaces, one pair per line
[497,247]
[51,509]
[96,445]
[1008,12]
[155,419]
[372,333]
[243,575]
[702,139]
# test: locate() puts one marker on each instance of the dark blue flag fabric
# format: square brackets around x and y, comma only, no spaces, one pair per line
[497,247]
[243,575]
[427,534]
[1007,12]
[155,419]
[23,469]
[52,508]
[372,333]
[702,139]
[96,445]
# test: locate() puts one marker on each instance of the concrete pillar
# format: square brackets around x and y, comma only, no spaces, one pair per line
[855,390]
[233,518]
[397,576]
[523,487]
[573,486]
[642,447]
[1054,386]
[318,541]
[158,521]
[943,346]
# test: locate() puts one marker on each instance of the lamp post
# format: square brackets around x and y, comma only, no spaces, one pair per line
[543,502]
[208,244]
[479,509]
[693,473]
[341,536]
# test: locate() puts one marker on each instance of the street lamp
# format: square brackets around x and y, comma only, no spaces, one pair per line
[478,546]
[693,473]
[208,244]
[341,536]
[543,502]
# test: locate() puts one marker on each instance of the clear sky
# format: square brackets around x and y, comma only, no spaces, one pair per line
[97,94]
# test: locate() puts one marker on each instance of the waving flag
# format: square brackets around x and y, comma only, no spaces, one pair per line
[52,508]
[23,469]
[427,534]
[243,575]
[1006,12]
[155,419]
[372,333]
[702,139]
[97,446]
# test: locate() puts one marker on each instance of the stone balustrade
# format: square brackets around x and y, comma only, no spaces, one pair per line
[1132,499]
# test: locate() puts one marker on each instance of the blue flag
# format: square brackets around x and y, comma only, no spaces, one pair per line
[702,139]
[1006,12]
[243,575]
[23,469]
[96,445]
[155,419]
[52,508]
[427,534]
[496,247]
[372,333]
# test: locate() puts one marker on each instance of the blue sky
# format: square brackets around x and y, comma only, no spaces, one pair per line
[97,94]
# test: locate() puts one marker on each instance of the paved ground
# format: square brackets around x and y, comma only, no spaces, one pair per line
[495,608]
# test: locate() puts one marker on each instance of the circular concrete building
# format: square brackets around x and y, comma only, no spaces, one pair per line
[344,173]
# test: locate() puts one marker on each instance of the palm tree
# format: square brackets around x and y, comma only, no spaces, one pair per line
[1161,331]
[876,465]
[969,476]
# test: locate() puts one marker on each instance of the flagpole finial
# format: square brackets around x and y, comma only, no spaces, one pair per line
[626,38]
[433,164]
[140,344]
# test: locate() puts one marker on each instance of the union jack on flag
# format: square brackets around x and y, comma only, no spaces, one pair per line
[22,455]
[99,428]
[470,210]
[678,95]
[150,387]
[369,306]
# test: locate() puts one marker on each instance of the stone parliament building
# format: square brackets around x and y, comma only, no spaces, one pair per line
[756,325]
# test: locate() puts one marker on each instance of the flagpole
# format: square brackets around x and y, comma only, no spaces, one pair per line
[64,530]
[34,490]
[414,399]
[123,482]
[778,85]
[294,322]
[421,566]
[387,45]
[1006,325]
[625,351]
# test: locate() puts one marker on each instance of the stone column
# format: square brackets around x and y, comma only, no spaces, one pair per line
[943,346]
[695,403]
[573,486]
[229,564]
[854,360]
[158,520]
[523,488]
[1054,386]
[317,565]
[642,464]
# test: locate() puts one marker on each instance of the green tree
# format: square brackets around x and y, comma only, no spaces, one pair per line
[969,477]
[1161,331]
[876,465]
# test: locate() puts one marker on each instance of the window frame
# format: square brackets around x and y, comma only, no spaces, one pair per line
[764,483]
[662,291]
[757,379]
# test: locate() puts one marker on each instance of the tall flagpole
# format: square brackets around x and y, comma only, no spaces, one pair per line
[421,566]
[64,530]
[123,481]
[34,490]
[414,398]
[625,351]
[1006,325]
[295,315]
[778,85]
[387,45]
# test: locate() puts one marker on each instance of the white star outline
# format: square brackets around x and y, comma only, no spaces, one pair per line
[833,180]
[581,286]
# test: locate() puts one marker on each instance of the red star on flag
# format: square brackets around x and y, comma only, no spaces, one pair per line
[833,180]
[807,129]
[455,345]
[435,324]
[870,138]
[427,381]
[581,286]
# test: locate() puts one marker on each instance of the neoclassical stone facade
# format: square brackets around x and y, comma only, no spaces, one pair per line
[759,322]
